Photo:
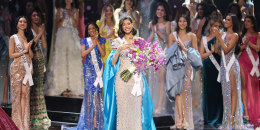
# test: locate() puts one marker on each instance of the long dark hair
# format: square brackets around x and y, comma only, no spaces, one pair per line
[29,16]
[205,9]
[166,10]
[123,5]
[188,29]
[182,10]
[235,28]
[239,15]
[253,20]
[28,32]
[86,30]
[121,32]
[235,22]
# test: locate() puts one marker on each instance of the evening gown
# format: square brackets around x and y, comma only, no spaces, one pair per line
[128,105]
[252,82]
[92,110]
[65,70]
[17,72]
[212,101]
[226,91]
[157,82]
[186,95]
[39,118]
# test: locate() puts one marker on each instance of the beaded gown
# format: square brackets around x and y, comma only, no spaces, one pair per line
[39,117]
[186,96]
[128,105]
[157,82]
[65,71]
[17,72]
[226,92]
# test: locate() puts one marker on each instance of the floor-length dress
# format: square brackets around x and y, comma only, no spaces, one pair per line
[156,81]
[39,118]
[128,105]
[17,72]
[226,91]
[212,99]
[186,97]
[92,110]
[65,72]
[252,82]
[6,123]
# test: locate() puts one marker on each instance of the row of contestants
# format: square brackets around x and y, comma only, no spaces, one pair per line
[27,73]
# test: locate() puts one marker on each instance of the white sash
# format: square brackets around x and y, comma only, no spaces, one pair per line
[254,62]
[96,66]
[183,52]
[108,32]
[28,68]
[211,57]
[136,90]
[231,62]
[40,44]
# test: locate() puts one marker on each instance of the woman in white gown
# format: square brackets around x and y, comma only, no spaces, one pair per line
[65,72]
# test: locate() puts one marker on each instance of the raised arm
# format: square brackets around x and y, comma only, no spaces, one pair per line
[203,53]
[171,40]
[231,45]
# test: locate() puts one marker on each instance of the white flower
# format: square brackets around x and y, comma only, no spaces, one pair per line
[258,128]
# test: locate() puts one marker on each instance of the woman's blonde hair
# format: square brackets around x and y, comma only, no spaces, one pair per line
[211,23]
[103,17]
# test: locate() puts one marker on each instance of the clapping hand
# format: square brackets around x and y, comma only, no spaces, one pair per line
[212,49]
[28,46]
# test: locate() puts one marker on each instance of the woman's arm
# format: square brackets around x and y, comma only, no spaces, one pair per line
[257,46]
[135,19]
[152,33]
[194,41]
[202,50]
[231,45]
[85,52]
[171,40]
[44,41]
[41,30]
[30,49]
[12,53]
[74,15]
[58,18]
[101,48]
[168,31]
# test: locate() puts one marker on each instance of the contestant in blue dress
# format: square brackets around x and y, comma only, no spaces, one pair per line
[92,110]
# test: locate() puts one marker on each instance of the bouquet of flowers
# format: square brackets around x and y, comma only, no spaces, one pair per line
[143,55]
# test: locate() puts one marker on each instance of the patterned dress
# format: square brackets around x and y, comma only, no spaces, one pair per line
[17,72]
[92,110]
[128,105]
[226,92]
[39,117]
[65,71]
[186,97]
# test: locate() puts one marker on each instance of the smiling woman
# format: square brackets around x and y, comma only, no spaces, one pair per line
[124,109]
[21,69]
